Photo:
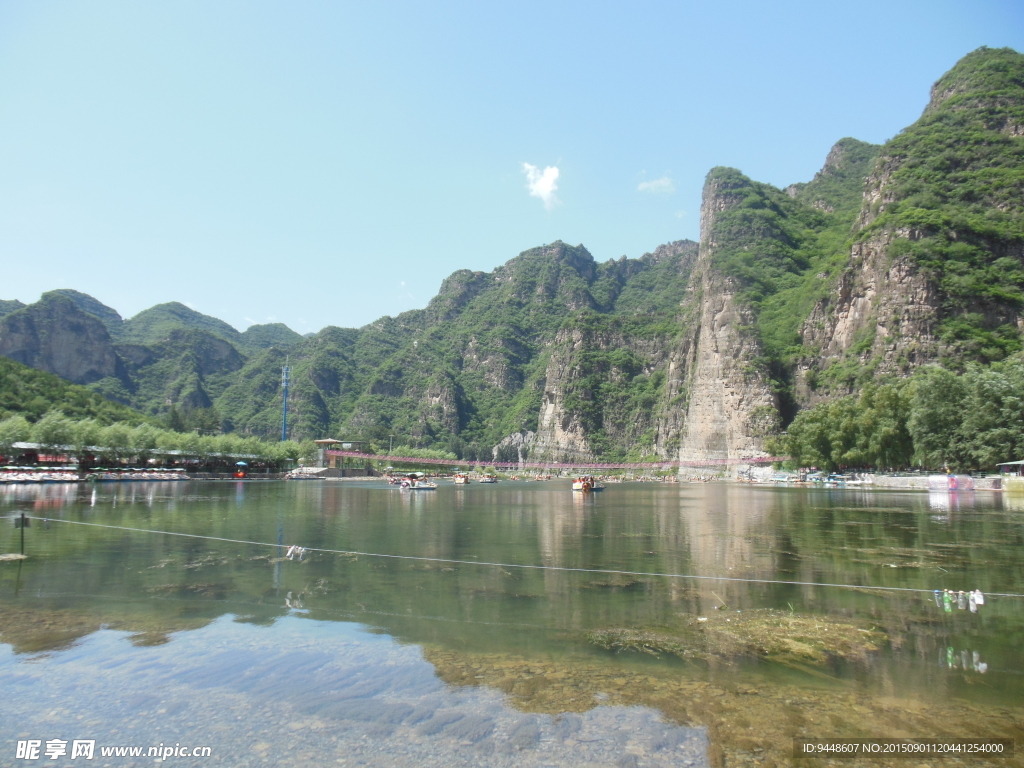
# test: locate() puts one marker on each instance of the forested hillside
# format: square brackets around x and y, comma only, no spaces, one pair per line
[31,393]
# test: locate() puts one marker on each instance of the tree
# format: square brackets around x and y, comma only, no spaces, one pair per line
[206,420]
[884,425]
[174,420]
[144,440]
[255,447]
[13,429]
[117,441]
[307,450]
[190,444]
[994,414]
[865,431]
[166,440]
[85,435]
[936,417]
[229,445]
[53,432]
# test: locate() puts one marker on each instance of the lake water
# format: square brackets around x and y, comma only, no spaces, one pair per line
[144,639]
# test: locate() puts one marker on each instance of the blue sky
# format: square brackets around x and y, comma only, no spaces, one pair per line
[328,163]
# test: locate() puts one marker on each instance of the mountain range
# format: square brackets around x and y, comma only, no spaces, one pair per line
[892,257]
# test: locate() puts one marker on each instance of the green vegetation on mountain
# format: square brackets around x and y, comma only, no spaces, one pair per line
[32,393]
[618,381]
[9,305]
[785,249]
[955,192]
[467,370]
[269,335]
[155,324]
[109,317]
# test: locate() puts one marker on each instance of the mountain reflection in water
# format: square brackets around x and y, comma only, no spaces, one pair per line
[330,657]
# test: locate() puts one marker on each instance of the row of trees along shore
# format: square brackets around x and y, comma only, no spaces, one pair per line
[57,434]
[968,420]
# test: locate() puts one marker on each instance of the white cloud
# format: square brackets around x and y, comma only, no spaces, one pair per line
[681,214]
[662,186]
[542,184]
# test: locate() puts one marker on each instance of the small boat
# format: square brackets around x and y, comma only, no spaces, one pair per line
[461,480]
[586,484]
[488,479]
[415,481]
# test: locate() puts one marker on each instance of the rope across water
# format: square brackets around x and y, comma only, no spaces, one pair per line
[449,561]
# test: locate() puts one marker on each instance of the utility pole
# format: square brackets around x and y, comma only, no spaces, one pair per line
[391,440]
[23,523]
[284,406]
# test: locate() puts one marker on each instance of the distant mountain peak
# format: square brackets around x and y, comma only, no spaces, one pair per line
[154,324]
[264,336]
[10,305]
[107,315]
[992,77]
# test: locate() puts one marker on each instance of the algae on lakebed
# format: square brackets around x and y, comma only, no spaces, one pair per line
[751,718]
[764,633]
[29,629]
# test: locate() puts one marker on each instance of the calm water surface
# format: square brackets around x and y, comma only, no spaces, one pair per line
[144,639]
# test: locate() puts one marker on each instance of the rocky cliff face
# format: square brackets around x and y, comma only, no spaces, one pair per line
[605,389]
[882,309]
[54,335]
[731,407]
[935,268]
[514,448]
[561,435]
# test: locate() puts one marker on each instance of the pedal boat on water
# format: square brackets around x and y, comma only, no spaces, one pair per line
[416,481]
[586,484]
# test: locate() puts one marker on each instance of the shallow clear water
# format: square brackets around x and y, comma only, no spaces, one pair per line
[141,639]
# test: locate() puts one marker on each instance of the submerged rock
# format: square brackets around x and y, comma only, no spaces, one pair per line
[762,633]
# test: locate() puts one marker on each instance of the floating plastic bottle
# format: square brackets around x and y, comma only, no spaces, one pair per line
[971,603]
[961,600]
[975,660]
[950,657]
[938,599]
[946,601]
